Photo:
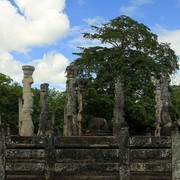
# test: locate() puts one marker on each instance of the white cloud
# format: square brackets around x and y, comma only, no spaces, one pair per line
[80,41]
[51,69]
[40,22]
[96,21]
[175,79]
[77,32]
[129,10]
[11,67]
[169,36]
[33,23]
[172,37]
[134,7]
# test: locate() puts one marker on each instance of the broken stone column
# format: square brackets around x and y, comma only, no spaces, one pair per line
[81,102]
[27,127]
[49,156]
[123,141]
[163,104]
[43,120]
[158,108]
[70,115]
[118,111]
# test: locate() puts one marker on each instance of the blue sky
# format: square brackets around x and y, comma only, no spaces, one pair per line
[45,33]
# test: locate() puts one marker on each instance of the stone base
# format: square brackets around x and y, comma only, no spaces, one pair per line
[27,128]
[166,131]
[117,127]
[98,133]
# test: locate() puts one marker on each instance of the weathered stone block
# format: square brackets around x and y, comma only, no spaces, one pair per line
[149,154]
[25,154]
[150,167]
[146,141]
[87,155]
[175,156]
[24,141]
[87,167]
[28,166]
[86,141]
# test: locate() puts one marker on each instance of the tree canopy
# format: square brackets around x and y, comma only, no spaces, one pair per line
[131,50]
[9,93]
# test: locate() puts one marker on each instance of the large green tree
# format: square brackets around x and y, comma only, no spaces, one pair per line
[131,50]
[9,93]
[56,102]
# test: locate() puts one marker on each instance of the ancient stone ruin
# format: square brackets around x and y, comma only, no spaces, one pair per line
[74,121]
[118,111]
[70,115]
[81,108]
[26,124]
[43,120]
[97,125]
[163,104]
[76,155]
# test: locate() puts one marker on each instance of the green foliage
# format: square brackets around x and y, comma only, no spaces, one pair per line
[132,51]
[98,105]
[36,108]
[56,103]
[176,102]
[9,93]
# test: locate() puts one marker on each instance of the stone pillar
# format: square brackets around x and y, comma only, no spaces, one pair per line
[118,111]
[27,127]
[50,156]
[163,103]
[70,115]
[175,156]
[158,108]
[44,109]
[81,102]
[2,152]
[124,167]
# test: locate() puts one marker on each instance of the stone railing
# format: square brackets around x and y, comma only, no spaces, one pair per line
[119,157]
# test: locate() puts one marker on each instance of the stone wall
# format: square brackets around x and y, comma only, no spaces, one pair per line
[150,158]
[119,157]
[2,151]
